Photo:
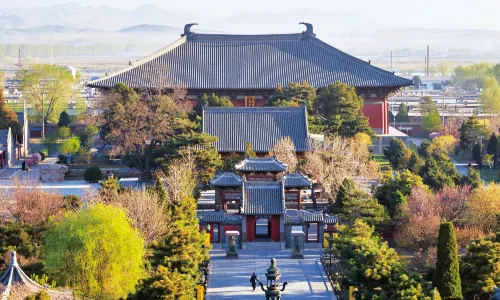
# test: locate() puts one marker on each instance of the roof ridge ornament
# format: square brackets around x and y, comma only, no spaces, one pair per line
[309,29]
[187,29]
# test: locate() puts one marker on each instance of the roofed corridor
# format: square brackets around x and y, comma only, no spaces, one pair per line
[230,278]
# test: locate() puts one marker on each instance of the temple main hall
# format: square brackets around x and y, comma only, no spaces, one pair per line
[247,69]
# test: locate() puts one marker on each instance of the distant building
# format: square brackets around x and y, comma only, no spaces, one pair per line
[7,148]
[248,68]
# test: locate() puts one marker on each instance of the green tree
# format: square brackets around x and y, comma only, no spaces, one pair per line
[493,147]
[377,269]
[490,96]
[445,68]
[422,149]
[70,146]
[64,119]
[402,115]
[48,84]
[359,205]
[403,183]
[447,276]
[212,101]
[96,252]
[414,163]
[87,134]
[63,132]
[398,154]
[294,94]
[346,189]
[479,271]
[417,82]
[472,179]
[439,171]
[432,121]
[470,133]
[166,285]
[471,77]
[249,150]
[427,106]
[8,118]
[342,108]
[477,155]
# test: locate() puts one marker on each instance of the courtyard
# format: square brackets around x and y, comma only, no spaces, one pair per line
[230,278]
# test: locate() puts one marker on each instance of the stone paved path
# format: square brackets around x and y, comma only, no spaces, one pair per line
[230,278]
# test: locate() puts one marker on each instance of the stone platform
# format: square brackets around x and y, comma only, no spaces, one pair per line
[230,278]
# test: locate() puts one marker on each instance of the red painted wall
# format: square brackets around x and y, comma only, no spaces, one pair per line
[275,228]
[375,109]
[251,228]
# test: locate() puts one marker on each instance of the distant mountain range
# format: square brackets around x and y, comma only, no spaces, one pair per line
[72,23]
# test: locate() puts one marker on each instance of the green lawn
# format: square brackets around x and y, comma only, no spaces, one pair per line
[382,162]
[489,175]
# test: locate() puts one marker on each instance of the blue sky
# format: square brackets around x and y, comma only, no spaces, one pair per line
[449,14]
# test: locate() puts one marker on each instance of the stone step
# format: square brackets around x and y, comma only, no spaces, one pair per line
[262,246]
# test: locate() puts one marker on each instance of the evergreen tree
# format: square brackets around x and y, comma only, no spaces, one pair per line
[400,199]
[342,108]
[402,115]
[477,155]
[427,106]
[249,153]
[212,101]
[8,118]
[295,94]
[422,149]
[493,147]
[398,154]
[439,171]
[447,276]
[472,179]
[470,132]
[346,189]
[414,163]
[64,119]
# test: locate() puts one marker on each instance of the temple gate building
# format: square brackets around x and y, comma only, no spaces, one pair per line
[247,69]
[262,202]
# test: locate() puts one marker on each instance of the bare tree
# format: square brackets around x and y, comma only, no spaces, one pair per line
[180,178]
[146,212]
[28,203]
[284,151]
[136,124]
[338,158]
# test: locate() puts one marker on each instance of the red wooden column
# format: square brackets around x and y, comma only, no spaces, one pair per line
[275,228]
[250,228]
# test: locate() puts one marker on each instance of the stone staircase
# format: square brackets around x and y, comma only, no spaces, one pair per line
[262,245]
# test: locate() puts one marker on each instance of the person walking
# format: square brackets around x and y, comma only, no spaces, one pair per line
[254,280]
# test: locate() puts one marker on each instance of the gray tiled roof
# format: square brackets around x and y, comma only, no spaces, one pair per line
[210,217]
[217,61]
[263,198]
[263,127]
[330,220]
[232,220]
[226,179]
[258,164]
[296,180]
[312,217]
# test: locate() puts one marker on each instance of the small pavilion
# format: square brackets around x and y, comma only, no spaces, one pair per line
[15,280]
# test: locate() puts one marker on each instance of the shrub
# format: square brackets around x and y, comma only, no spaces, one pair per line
[70,146]
[93,174]
[36,157]
[44,153]
[41,295]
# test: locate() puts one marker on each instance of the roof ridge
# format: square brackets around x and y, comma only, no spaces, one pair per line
[354,58]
